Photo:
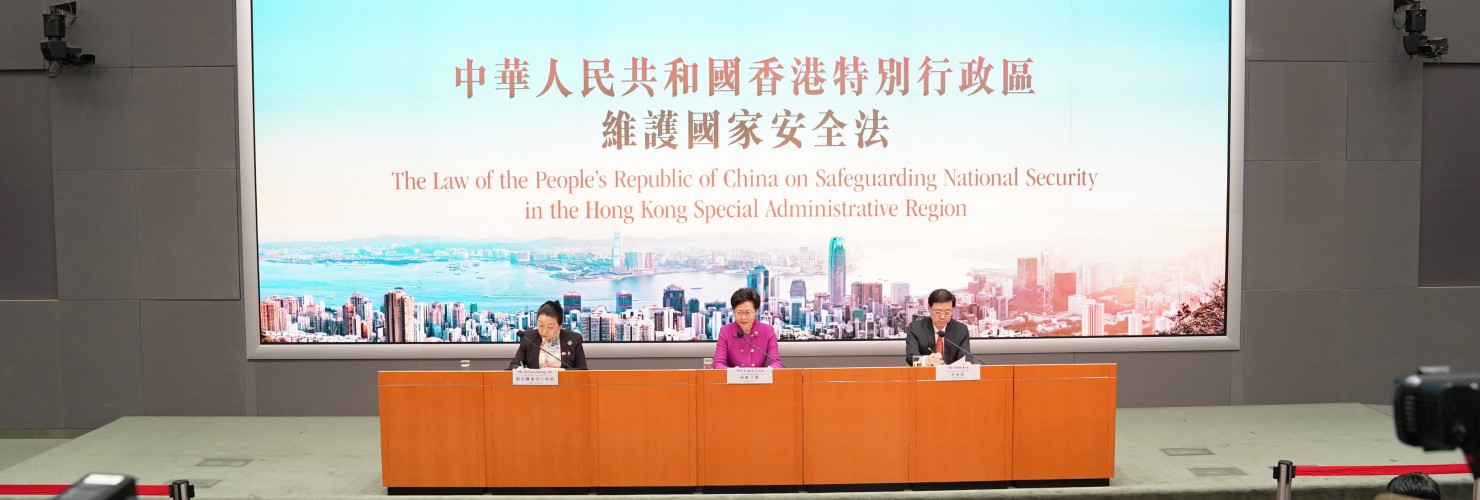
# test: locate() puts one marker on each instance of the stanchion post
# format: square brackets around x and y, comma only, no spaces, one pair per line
[1474,472]
[1284,471]
[181,489]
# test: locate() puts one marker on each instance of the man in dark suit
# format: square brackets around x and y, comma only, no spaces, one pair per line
[927,336]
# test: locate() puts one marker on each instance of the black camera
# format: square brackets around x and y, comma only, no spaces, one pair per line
[54,27]
[1419,45]
[101,487]
[1415,43]
[1436,410]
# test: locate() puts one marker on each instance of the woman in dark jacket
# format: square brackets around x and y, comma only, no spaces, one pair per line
[548,345]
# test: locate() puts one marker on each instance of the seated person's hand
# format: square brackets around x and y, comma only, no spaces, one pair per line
[934,359]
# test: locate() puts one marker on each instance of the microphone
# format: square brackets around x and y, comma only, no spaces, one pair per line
[740,334]
[531,341]
[958,348]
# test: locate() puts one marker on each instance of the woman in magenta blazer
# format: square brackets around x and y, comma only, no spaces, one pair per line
[746,343]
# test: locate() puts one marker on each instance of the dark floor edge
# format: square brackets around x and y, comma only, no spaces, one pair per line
[539,491]
[645,490]
[749,490]
[855,488]
[398,491]
[43,433]
[1062,483]
[970,485]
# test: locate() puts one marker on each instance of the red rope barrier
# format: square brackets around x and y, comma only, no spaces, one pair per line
[57,489]
[1378,470]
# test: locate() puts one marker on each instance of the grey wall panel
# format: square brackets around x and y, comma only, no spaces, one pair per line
[1384,110]
[185,117]
[97,234]
[1449,229]
[188,247]
[20,34]
[30,365]
[1378,341]
[839,362]
[184,33]
[1288,341]
[102,361]
[1282,31]
[194,357]
[1371,32]
[101,28]
[1459,21]
[91,116]
[1293,224]
[1148,379]
[1447,317]
[1296,111]
[321,388]
[644,363]
[1028,359]
[456,364]
[1380,247]
[1317,222]
[28,262]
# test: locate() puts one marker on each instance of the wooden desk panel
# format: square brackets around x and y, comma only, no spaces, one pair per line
[965,427]
[1064,422]
[539,436]
[855,425]
[432,429]
[750,435]
[843,426]
[643,425]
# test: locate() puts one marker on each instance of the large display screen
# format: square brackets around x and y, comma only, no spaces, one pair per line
[429,173]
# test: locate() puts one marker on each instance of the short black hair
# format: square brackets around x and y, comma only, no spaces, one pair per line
[744,295]
[552,309]
[1416,485]
[940,295]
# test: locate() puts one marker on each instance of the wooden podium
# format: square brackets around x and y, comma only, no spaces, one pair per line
[963,428]
[643,427]
[1063,422]
[538,437]
[856,425]
[689,428]
[750,435]
[432,429]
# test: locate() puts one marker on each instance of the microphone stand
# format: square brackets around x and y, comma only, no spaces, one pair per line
[958,348]
[563,364]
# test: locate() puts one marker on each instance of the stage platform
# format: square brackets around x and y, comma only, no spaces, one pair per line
[1163,453]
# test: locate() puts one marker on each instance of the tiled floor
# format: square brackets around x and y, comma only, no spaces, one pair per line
[338,457]
[14,451]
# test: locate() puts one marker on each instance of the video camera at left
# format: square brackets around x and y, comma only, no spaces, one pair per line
[1438,410]
[101,487]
